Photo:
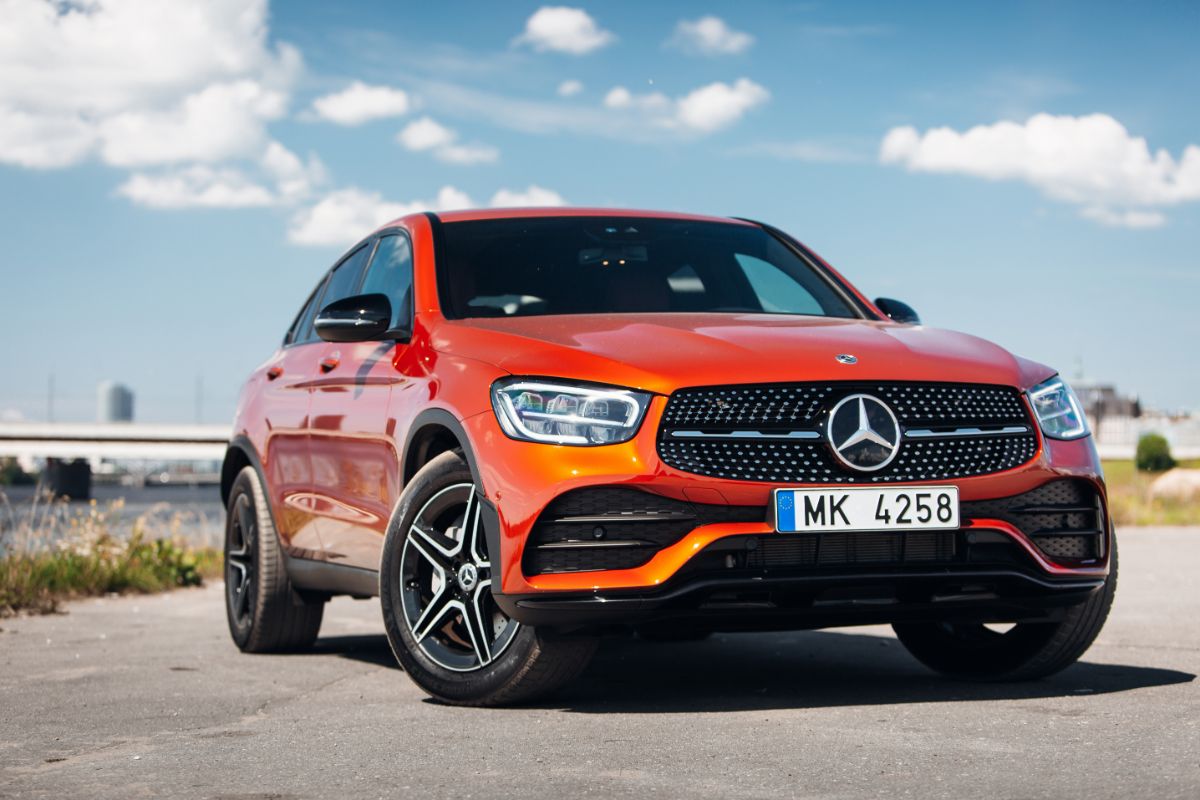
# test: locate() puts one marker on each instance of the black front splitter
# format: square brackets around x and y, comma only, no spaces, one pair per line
[795,602]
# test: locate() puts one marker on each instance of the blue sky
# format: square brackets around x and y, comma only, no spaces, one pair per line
[171,189]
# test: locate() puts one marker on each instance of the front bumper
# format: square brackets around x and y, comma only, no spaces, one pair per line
[794,602]
[521,479]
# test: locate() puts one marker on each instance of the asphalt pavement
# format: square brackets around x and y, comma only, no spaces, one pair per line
[147,697]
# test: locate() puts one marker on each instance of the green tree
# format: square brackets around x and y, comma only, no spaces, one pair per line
[1154,454]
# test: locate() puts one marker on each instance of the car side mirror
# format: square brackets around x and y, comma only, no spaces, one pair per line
[361,318]
[897,311]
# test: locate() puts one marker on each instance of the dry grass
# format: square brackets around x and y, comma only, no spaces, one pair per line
[51,551]
[1131,504]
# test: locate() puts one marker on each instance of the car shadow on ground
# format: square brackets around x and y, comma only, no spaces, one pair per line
[811,669]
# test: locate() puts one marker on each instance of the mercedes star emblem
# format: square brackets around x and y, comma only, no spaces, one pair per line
[863,432]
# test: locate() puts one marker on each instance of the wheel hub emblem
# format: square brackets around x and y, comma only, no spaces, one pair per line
[468,576]
[863,432]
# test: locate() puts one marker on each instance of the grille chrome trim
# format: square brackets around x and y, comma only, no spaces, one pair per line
[571,544]
[925,433]
[752,435]
[635,517]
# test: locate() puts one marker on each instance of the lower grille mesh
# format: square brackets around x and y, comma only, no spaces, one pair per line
[839,549]
[617,528]
[1064,518]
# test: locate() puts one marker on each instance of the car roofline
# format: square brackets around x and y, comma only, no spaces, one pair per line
[475,214]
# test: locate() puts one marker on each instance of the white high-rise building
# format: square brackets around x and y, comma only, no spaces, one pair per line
[114,402]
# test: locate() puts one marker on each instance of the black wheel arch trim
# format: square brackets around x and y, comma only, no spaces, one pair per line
[442,418]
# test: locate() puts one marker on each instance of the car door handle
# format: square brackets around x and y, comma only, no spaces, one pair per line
[274,372]
[330,362]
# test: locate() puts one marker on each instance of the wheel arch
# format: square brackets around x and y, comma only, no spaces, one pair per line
[433,432]
[240,454]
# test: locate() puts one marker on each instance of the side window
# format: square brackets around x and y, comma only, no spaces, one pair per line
[339,284]
[344,280]
[777,292]
[303,318]
[391,273]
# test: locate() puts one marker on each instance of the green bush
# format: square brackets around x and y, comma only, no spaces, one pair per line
[11,474]
[1153,454]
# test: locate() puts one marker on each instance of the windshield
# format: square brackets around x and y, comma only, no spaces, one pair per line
[611,265]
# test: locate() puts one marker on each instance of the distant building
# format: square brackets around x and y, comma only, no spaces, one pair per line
[114,403]
[1102,401]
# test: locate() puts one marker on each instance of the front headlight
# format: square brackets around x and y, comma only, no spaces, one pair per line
[533,410]
[1058,410]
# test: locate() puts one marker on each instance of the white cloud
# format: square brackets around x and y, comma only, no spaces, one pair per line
[359,103]
[44,141]
[710,36]
[467,154]
[529,197]
[197,186]
[294,179]
[618,97]
[138,81]
[570,88]
[219,122]
[204,186]
[346,215]
[1092,161]
[564,30]
[719,104]
[703,110]
[426,134]
[1124,219]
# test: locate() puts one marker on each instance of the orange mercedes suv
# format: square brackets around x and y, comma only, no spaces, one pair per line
[526,429]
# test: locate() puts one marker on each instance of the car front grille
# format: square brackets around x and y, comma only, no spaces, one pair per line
[777,433]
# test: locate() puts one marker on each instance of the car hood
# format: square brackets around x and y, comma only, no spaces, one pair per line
[664,352]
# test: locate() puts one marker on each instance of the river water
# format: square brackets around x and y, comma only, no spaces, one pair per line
[192,513]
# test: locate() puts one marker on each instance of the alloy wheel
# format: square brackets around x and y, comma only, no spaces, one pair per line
[240,560]
[446,577]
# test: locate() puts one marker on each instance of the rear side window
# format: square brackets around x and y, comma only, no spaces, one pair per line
[390,274]
[339,284]
[344,280]
[304,318]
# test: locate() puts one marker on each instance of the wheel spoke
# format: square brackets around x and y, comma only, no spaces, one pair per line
[474,545]
[243,595]
[477,627]
[437,609]
[245,519]
[427,544]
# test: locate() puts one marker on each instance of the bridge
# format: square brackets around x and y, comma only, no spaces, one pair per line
[116,440]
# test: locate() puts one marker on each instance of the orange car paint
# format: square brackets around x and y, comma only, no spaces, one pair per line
[331,438]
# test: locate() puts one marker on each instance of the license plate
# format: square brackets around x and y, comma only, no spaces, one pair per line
[866,509]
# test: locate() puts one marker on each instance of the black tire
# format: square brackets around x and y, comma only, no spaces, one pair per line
[1025,652]
[265,615]
[468,652]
